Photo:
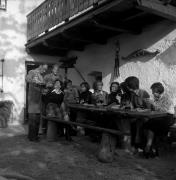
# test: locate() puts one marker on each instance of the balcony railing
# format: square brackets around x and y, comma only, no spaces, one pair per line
[52,13]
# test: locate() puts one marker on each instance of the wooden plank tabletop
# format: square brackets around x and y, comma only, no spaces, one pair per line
[89,107]
[129,113]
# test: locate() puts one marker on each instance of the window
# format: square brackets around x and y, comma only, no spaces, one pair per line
[3,4]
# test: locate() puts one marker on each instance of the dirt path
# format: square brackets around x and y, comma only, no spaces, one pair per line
[77,161]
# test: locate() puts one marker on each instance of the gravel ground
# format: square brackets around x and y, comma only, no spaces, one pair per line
[77,161]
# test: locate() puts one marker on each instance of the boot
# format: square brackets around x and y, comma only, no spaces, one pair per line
[68,133]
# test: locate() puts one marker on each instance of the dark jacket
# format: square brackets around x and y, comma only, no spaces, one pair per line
[139,100]
[53,97]
[85,97]
[112,98]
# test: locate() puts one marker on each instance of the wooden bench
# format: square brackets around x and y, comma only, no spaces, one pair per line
[108,139]
[53,121]
[172,134]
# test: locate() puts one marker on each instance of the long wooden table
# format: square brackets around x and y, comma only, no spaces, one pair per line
[104,110]
[101,110]
[110,110]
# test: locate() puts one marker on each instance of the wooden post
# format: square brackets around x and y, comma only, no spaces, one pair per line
[2,61]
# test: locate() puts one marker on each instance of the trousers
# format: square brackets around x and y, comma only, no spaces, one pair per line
[33,126]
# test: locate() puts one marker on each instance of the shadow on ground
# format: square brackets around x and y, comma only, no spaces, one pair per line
[77,161]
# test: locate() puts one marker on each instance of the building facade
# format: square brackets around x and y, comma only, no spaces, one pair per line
[159,36]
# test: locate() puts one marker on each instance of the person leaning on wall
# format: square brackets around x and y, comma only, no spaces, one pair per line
[36,81]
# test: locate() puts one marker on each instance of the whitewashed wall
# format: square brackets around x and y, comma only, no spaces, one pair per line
[13,26]
[161,36]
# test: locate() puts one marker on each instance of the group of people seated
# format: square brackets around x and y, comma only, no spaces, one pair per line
[57,94]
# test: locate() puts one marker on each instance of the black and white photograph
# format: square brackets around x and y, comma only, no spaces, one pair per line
[87,89]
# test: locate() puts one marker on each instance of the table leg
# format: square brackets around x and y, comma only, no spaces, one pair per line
[107,148]
[124,126]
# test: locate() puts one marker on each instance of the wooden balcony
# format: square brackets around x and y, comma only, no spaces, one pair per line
[57,26]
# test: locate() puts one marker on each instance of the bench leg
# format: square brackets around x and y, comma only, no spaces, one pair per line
[52,131]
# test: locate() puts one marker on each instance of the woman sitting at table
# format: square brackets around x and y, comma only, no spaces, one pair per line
[123,124]
[55,107]
[70,93]
[99,97]
[85,99]
[85,95]
[115,94]
[158,128]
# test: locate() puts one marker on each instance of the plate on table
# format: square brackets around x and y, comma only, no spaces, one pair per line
[89,105]
[115,107]
[142,110]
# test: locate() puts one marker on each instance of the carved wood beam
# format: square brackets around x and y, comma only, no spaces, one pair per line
[116,28]
[109,27]
[86,39]
[62,46]
[157,7]
[75,38]
[54,45]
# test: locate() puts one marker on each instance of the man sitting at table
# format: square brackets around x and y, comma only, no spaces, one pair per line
[85,95]
[156,128]
[138,98]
